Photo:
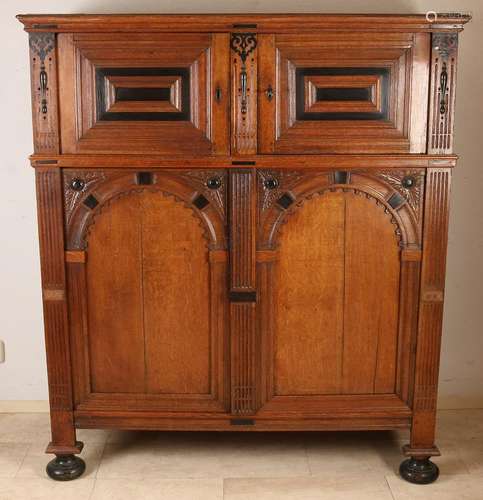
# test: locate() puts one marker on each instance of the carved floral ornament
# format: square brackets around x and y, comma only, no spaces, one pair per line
[42,44]
[282,193]
[408,183]
[87,194]
[445,43]
[243,44]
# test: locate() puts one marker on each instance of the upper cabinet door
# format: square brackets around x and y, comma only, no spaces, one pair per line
[343,93]
[144,93]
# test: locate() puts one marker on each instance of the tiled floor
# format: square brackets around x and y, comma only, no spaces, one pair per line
[216,466]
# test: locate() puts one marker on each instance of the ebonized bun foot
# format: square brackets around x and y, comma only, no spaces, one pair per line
[419,470]
[65,467]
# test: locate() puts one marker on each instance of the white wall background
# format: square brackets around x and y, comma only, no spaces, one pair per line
[23,375]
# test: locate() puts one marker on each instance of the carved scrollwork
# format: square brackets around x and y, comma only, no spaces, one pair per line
[409,184]
[442,100]
[86,194]
[212,184]
[445,43]
[243,44]
[42,44]
[281,180]
[72,194]
[398,192]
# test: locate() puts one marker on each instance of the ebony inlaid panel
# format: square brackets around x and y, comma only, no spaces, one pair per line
[122,93]
[342,93]
[142,97]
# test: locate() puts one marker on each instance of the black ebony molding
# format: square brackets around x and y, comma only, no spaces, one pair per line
[91,202]
[285,200]
[142,94]
[341,177]
[200,202]
[234,296]
[396,200]
[342,94]
[144,178]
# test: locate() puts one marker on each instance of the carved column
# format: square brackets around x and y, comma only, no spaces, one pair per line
[243,295]
[51,235]
[430,313]
[442,95]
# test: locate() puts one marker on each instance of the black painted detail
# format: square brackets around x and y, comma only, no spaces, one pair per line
[301,73]
[44,26]
[343,94]
[244,26]
[200,202]
[243,44]
[242,296]
[242,162]
[419,470]
[213,183]
[285,200]
[396,200]
[46,162]
[271,183]
[341,177]
[91,202]
[65,467]
[142,94]
[408,182]
[144,178]
[77,184]
[242,421]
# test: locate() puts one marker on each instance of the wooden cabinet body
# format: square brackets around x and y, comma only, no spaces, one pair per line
[243,220]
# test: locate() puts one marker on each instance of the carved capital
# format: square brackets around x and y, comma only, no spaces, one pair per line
[41,44]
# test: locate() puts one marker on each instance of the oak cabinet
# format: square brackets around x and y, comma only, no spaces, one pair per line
[243,222]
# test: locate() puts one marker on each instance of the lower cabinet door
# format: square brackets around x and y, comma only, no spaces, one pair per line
[147,288]
[338,269]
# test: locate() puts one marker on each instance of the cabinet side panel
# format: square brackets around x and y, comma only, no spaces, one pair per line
[115,299]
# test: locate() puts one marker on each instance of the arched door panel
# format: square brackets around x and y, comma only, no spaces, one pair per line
[146,333]
[337,253]
[149,326]
[336,319]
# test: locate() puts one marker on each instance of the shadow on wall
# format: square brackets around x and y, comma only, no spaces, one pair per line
[247,6]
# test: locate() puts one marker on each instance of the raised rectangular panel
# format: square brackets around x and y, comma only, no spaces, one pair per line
[143,93]
[344,93]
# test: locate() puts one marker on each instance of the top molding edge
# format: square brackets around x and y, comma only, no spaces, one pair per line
[265,23]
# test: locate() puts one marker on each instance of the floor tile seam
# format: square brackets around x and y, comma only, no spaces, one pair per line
[27,451]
